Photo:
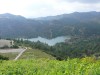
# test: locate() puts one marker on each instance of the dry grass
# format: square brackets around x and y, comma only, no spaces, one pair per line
[11,56]
[35,54]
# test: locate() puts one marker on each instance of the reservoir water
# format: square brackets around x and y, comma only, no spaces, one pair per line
[50,42]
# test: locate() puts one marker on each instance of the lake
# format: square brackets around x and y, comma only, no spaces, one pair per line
[50,42]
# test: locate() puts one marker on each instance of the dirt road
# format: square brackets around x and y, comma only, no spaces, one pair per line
[20,54]
[20,51]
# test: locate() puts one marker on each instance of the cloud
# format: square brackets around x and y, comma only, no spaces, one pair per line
[40,8]
[83,1]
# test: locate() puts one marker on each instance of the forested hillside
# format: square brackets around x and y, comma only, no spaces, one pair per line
[84,24]
[77,48]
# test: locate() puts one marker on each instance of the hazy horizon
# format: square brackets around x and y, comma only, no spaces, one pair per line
[43,8]
[48,15]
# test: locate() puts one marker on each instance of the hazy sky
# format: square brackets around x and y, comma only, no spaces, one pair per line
[40,8]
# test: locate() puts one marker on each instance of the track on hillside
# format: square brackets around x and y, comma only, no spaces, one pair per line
[20,51]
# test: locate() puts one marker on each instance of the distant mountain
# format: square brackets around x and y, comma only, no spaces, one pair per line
[10,16]
[75,15]
[77,23]
[13,26]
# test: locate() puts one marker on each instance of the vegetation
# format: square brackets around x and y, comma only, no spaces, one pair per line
[76,66]
[35,54]
[14,46]
[11,56]
[3,58]
[83,24]
[74,48]
[72,53]
[4,47]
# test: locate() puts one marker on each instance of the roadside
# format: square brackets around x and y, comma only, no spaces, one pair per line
[35,54]
[12,54]
[20,54]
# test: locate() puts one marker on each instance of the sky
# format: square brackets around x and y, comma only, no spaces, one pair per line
[42,8]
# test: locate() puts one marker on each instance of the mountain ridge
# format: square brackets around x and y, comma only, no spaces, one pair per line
[77,23]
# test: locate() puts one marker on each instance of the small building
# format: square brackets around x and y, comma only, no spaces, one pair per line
[8,43]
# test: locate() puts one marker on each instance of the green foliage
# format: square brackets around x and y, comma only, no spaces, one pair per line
[14,46]
[4,47]
[35,54]
[11,56]
[85,24]
[84,66]
[79,48]
[3,58]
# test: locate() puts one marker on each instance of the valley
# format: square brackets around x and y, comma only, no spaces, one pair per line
[49,37]
[67,44]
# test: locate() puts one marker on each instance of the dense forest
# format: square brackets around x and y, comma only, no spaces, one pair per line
[74,48]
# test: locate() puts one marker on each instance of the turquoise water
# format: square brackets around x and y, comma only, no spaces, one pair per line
[50,42]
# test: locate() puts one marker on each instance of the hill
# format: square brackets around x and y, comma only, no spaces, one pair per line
[77,23]
[35,54]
